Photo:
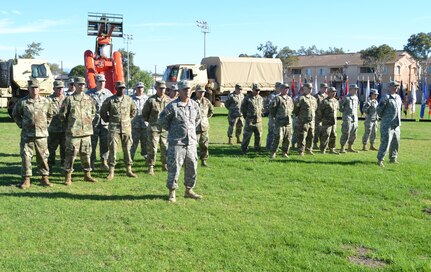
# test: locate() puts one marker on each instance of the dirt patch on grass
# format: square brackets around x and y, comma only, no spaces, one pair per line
[427,211]
[360,257]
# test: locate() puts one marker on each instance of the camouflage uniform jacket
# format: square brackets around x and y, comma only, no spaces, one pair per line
[281,109]
[251,108]
[319,97]
[181,120]
[349,108]
[233,104]
[370,109]
[267,102]
[99,98]
[118,111]
[138,121]
[206,109]
[78,111]
[389,109]
[305,108]
[152,108]
[327,111]
[56,125]
[31,115]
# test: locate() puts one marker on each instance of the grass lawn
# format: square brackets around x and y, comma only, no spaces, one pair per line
[317,213]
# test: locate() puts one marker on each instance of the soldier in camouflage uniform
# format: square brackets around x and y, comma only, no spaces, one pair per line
[206,111]
[317,125]
[119,110]
[156,133]
[173,92]
[305,110]
[281,109]
[233,104]
[371,122]
[326,115]
[251,109]
[71,90]
[139,126]
[294,118]
[56,129]
[77,112]
[181,119]
[267,112]
[389,109]
[31,115]
[349,129]
[100,127]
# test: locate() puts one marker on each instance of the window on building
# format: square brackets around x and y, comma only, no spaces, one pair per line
[335,70]
[296,71]
[321,72]
[398,70]
[366,70]
[308,71]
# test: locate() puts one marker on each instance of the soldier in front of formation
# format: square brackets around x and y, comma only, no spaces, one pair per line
[349,129]
[252,110]
[371,122]
[139,126]
[235,118]
[281,109]
[118,110]
[77,112]
[322,94]
[305,110]
[266,112]
[202,130]
[31,115]
[326,115]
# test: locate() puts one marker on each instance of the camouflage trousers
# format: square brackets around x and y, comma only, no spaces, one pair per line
[270,135]
[139,135]
[235,123]
[294,134]
[317,132]
[27,147]
[102,133]
[305,134]
[154,138]
[370,132]
[328,137]
[203,140]
[75,145]
[349,130]
[126,144]
[55,140]
[179,155]
[283,134]
[389,140]
[249,130]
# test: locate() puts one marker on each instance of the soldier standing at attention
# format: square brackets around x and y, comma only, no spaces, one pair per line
[349,129]
[181,118]
[173,92]
[118,110]
[156,133]
[326,115]
[206,111]
[281,109]
[389,109]
[71,90]
[31,115]
[295,119]
[371,123]
[251,109]
[139,126]
[77,112]
[233,104]
[305,110]
[317,125]
[100,127]
[266,112]
[56,129]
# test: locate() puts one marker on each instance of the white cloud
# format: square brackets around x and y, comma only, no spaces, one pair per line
[17,12]
[8,26]
[4,12]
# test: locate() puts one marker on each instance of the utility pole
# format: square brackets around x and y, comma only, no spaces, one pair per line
[127,38]
[203,25]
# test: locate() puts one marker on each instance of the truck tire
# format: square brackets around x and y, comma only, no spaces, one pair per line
[5,73]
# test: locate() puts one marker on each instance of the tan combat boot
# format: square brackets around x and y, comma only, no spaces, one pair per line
[151,170]
[373,148]
[310,152]
[364,147]
[273,155]
[88,177]
[332,151]
[68,179]
[190,194]
[285,155]
[104,165]
[25,183]
[111,173]
[342,150]
[172,196]
[129,172]
[238,140]
[350,149]
[204,163]
[380,163]
[164,167]
[229,141]
[45,181]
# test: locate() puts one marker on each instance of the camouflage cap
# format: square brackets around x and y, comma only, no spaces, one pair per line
[184,84]
[374,91]
[199,88]
[71,81]
[255,87]
[332,89]
[353,86]
[79,80]
[277,84]
[120,84]
[174,87]
[308,85]
[323,85]
[284,86]
[160,84]
[139,85]
[33,83]
[58,84]
[238,86]
[100,77]
[393,84]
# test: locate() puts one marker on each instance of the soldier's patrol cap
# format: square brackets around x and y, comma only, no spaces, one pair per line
[100,77]
[284,86]
[184,84]
[374,91]
[58,84]
[277,84]
[71,81]
[139,85]
[353,86]
[33,83]
[199,88]
[238,86]
[255,87]
[120,84]
[174,87]
[161,84]
[308,85]
[323,85]
[332,89]
[79,80]
[393,84]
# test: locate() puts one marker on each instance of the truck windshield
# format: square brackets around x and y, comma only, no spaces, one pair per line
[171,74]
[187,74]
[38,71]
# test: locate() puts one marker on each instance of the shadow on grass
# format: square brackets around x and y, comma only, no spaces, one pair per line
[2,155]
[329,162]
[6,119]
[84,197]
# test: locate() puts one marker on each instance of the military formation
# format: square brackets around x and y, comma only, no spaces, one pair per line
[75,122]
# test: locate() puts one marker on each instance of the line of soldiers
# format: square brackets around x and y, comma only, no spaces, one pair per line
[307,119]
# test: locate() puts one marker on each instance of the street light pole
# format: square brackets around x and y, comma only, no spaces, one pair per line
[128,38]
[203,25]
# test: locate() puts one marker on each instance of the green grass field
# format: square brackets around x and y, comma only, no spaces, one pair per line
[317,213]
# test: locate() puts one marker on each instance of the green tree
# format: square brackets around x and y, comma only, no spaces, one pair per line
[287,56]
[311,50]
[268,50]
[32,51]
[136,74]
[77,71]
[419,46]
[377,57]
[55,69]
[334,50]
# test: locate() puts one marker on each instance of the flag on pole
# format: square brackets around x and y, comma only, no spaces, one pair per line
[361,95]
[316,90]
[300,83]
[367,92]
[424,99]
[292,88]
[412,99]
[347,86]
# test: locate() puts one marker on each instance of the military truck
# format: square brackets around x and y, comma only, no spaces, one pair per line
[15,73]
[219,75]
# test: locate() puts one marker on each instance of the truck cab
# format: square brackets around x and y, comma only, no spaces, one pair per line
[194,73]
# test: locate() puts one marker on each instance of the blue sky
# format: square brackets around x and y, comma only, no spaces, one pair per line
[165,32]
